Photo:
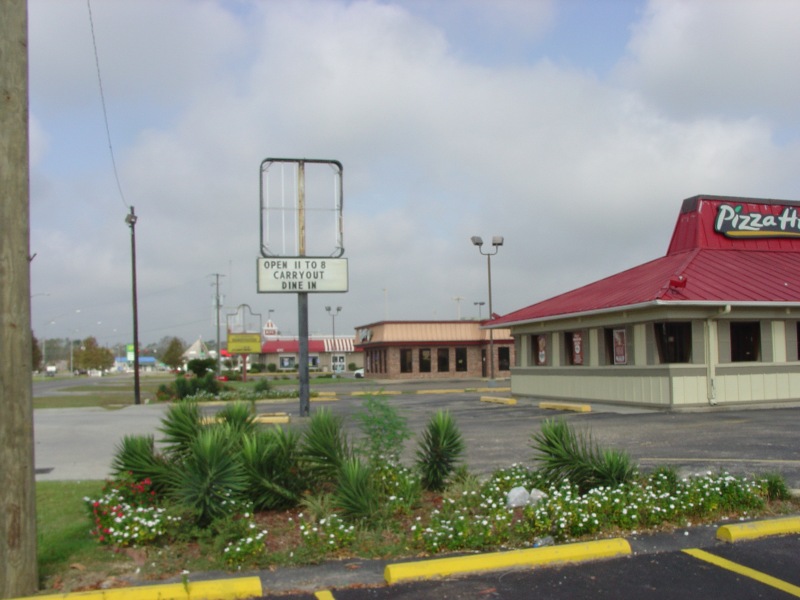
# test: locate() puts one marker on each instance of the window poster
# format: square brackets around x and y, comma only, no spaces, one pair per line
[620,347]
[541,350]
[577,348]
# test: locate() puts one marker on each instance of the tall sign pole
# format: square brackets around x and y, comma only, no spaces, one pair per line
[316,265]
[18,573]
[304,392]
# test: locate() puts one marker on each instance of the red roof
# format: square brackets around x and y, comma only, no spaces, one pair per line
[723,250]
[291,346]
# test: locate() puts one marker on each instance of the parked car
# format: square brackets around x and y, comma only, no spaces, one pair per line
[358,373]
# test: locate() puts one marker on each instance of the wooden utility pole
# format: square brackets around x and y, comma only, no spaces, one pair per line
[18,573]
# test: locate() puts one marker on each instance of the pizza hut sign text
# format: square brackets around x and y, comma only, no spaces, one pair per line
[733,222]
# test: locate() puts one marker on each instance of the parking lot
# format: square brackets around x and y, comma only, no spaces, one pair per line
[78,443]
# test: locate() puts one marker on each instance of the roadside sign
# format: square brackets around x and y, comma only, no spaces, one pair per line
[302,274]
[244,343]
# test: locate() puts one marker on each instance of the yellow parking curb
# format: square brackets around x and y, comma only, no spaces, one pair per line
[496,400]
[757,529]
[493,389]
[221,589]
[565,406]
[380,393]
[272,418]
[441,391]
[476,563]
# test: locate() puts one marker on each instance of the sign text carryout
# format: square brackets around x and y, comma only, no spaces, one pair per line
[302,274]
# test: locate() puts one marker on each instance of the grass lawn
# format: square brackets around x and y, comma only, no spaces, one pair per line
[64,547]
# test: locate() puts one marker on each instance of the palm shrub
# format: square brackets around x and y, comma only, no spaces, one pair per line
[135,458]
[211,480]
[181,425]
[356,494]
[240,416]
[440,449]
[564,454]
[325,446]
[271,461]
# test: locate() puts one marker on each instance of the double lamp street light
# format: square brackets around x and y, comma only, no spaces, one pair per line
[497,241]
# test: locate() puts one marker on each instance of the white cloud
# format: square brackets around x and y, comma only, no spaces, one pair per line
[583,176]
[732,57]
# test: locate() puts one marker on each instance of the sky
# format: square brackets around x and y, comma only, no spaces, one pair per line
[572,128]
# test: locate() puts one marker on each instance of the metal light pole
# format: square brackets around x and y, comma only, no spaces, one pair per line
[479,305]
[131,221]
[333,314]
[497,241]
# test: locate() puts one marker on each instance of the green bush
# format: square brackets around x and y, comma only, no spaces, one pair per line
[262,385]
[325,446]
[201,366]
[135,458]
[440,449]
[211,481]
[355,494]
[271,461]
[564,454]
[385,430]
[773,487]
[181,425]
[240,416]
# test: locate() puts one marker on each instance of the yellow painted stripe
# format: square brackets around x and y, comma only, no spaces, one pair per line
[272,418]
[476,563]
[757,529]
[496,400]
[324,595]
[493,389]
[769,580]
[220,589]
[440,391]
[565,406]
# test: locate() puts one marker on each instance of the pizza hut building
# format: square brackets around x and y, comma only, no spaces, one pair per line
[715,321]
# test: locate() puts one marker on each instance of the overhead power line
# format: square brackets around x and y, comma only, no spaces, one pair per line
[103,103]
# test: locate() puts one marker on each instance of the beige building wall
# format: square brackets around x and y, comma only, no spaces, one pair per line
[709,378]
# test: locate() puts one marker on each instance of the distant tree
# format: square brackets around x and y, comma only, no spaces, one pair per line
[92,356]
[172,353]
[37,354]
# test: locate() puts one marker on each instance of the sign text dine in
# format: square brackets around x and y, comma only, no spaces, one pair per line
[302,274]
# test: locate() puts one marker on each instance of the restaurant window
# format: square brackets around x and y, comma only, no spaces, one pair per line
[443,360]
[461,360]
[674,342]
[574,347]
[286,362]
[539,350]
[745,341]
[616,343]
[504,358]
[406,360]
[425,360]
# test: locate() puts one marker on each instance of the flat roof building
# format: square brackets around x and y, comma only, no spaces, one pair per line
[714,321]
[433,350]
